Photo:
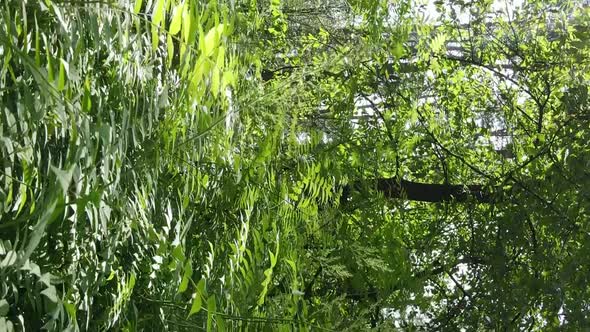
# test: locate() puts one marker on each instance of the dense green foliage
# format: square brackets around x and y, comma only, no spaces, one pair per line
[214,165]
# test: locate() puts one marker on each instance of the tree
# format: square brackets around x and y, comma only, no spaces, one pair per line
[268,165]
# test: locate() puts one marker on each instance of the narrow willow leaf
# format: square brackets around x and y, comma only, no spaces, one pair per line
[178,253]
[211,310]
[131,282]
[61,80]
[50,74]
[201,287]
[158,12]
[86,100]
[39,230]
[183,58]
[4,306]
[188,272]
[221,57]
[176,19]
[186,22]
[196,306]
[273,258]
[155,38]
[137,7]
[71,310]
[291,264]
[37,44]
[9,259]
[169,50]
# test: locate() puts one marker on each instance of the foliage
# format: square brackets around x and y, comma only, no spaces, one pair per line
[212,164]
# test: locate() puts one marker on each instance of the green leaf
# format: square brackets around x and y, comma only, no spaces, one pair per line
[9,259]
[137,6]
[438,42]
[201,287]
[188,272]
[176,19]
[71,310]
[273,259]
[131,282]
[39,230]
[211,310]
[6,325]
[196,306]
[291,264]
[155,38]
[49,58]
[63,177]
[45,279]
[221,326]
[4,307]
[37,44]
[215,81]
[211,40]
[229,79]
[61,80]
[158,12]
[178,253]
[398,50]
[51,293]
[187,23]
[169,50]
[86,100]
[220,57]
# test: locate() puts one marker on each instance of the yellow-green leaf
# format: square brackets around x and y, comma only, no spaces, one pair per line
[137,7]
[61,80]
[221,57]
[86,100]
[170,48]
[155,38]
[37,44]
[229,78]
[158,12]
[176,19]
[186,22]
[211,40]
[71,309]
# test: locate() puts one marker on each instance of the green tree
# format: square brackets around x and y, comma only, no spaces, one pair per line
[279,165]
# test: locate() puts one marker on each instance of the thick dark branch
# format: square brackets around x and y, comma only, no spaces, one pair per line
[427,192]
[431,192]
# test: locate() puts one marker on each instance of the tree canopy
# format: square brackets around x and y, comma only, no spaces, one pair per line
[285,165]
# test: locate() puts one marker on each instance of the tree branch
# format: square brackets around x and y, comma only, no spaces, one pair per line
[425,192]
